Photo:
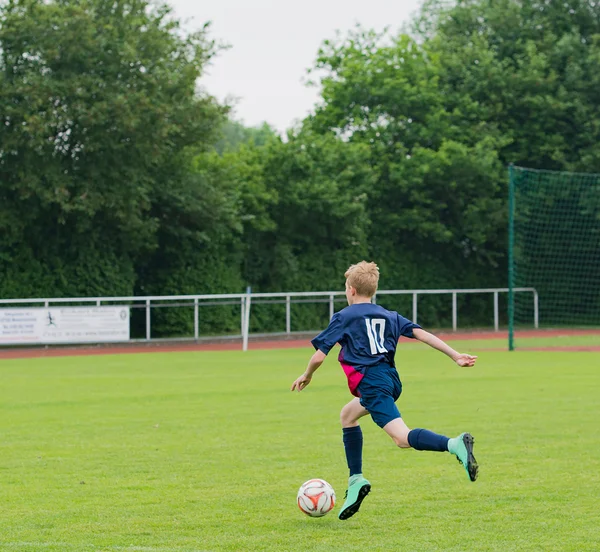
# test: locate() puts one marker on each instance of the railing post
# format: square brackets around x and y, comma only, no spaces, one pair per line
[414,316]
[196,325]
[288,314]
[148,319]
[536,310]
[454,312]
[331,307]
[98,303]
[496,314]
[246,330]
[243,305]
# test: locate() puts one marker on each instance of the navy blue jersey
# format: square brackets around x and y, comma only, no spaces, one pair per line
[368,335]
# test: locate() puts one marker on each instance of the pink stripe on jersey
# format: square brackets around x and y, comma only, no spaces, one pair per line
[354,378]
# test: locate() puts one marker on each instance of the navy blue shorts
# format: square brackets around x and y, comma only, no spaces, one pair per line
[379,390]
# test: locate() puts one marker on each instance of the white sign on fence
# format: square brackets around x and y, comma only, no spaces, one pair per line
[64,325]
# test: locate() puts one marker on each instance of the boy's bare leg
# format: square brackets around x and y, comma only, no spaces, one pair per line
[398,431]
[352,412]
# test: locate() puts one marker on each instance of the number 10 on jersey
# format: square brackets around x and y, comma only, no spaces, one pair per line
[376,333]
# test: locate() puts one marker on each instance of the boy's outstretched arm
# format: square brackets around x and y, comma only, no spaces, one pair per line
[460,358]
[315,361]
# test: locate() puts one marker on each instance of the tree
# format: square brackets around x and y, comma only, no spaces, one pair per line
[435,181]
[234,134]
[529,68]
[203,248]
[98,106]
[319,216]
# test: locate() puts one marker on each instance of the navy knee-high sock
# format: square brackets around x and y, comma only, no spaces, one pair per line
[423,439]
[353,443]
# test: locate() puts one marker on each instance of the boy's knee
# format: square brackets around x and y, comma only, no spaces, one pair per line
[347,419]
[401,442]
[398,431]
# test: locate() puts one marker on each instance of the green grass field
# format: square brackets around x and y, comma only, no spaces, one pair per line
[205,452]
[520,342]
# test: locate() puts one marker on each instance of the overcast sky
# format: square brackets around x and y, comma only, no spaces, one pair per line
[273,43]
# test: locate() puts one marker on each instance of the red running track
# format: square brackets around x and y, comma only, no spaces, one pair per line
[38,352]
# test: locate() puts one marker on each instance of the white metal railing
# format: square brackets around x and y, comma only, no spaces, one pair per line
[245,301]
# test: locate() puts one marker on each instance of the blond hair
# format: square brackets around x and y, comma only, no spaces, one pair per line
[364,277]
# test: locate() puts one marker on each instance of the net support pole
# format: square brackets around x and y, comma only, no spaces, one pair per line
[288,314]
[511,271]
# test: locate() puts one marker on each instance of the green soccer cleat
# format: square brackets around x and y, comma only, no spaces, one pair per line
[462,448]
[358,489]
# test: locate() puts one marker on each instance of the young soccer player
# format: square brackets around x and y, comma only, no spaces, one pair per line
[368,335]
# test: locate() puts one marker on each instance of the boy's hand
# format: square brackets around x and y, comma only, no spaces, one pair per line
[315,361]
[465,360]
[301,383]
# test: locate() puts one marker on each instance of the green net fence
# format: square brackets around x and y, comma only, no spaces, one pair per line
[554,247]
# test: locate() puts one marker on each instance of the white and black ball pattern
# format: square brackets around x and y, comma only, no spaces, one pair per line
[316,497]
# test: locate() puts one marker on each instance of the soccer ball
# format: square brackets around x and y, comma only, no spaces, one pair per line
[316,497]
